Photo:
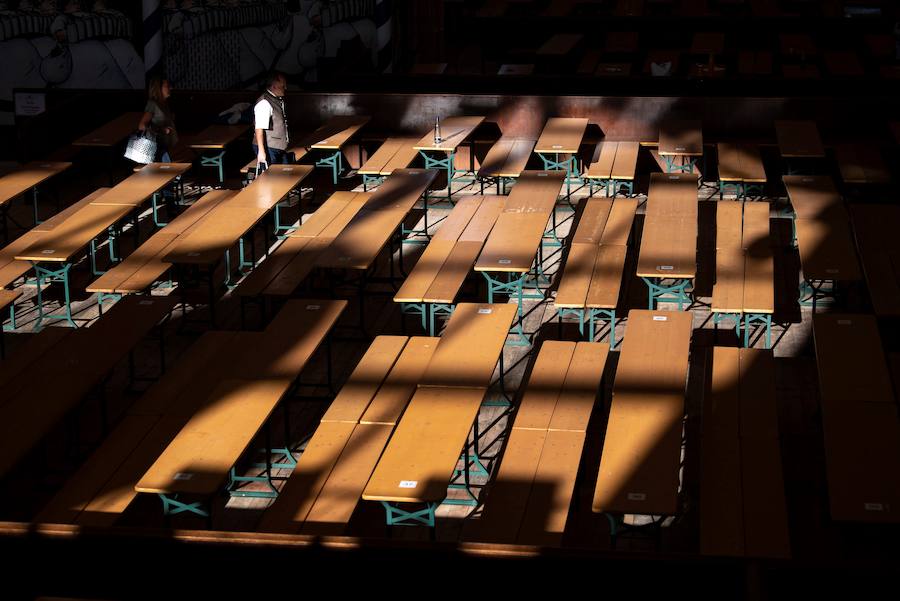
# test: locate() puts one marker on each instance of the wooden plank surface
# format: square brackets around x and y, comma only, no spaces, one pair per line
[729,225]
[454,130]
[470,346]
[581,388]
[545,383]
[812,196]
[606,278]
[26,177]
[137,188]
[592,221]
[398,387]
[510,158]
[728,291]
[681,138]
[626,161]
[69,239]
[668,248]
[850,359]
[561,134]
[577,273]
[799,139]
[61,217]
[336,132]
[619,223]
[394,153]
[641,451]
[826,250]
[604,157]
[445,288]
[422,454]
[216,137]
[113,132]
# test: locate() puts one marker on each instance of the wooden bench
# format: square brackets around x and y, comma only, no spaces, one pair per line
[742,502]
[53,253]
[324,489]
[592,273]
[111,133]
[506,160]
[431,288]
[528,500]
[102,489]
[421,459]
[741,169]
[143,267]
[669,239]
[238,409]
[861,164]
[613,167]
[394,153]
[211,144]
[331,138]
[640,462]
[859,419]
[562,136]
[798,140]
[516,240]
[22,180]
[879,254]
[744,290]
[80,362]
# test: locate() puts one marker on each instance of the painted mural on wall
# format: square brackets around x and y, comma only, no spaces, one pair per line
[206,44]
[221,44]
[70,44]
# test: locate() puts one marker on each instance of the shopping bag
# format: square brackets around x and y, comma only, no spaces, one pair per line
[141,147]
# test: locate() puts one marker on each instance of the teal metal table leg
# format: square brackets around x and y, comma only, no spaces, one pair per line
[676,292]
[569,165]
[750,319]
[420,309]
[434,310]
[397,516]
[172,506]
[512,287]
[154,203]
[335,162]
[281,231]
[217,161]
[56,275]
[735,318]
[34,198]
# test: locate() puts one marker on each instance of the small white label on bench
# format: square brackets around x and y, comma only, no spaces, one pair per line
[413,172]
[679,148]
[409,483]
[660,318]
[485,311]
[665,267]
[183,476]
[673,177]
[557,146]
[165,166]
[873,506]
[47,251]
[807,179]
[504,261]
[145,302]
[313,307]
[193,254]
[637,496]
[845,322]
[542,175]
[288,169]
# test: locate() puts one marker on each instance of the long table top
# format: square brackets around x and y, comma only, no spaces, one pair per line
[113,132]
[514,239]
[669,239]
[454,130]
[561,134]
[826,250]
[134,190]
[223,227]
[639,466]
[681,138]
[28,176]
[861,164]
[879,253]
[216,137]
[799,139]
[812,196]
[336,132]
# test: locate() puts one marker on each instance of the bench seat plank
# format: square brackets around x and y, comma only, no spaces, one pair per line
[606,278]
[544,385]
[398,387]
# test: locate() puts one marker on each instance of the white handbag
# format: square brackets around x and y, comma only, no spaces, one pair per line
[141,147]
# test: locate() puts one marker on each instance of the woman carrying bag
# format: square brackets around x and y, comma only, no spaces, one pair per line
[158,118]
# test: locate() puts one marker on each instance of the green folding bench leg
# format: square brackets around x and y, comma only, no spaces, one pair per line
[215,160]
[172,506]
[59,275]
[395,515]
[686,166]
[764,319]
[448,163]
[371,179]
[590,317]
[735,318]
[513,287]
[335,162]
[569,165]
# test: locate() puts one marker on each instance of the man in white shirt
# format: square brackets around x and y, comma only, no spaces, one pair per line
[270,117]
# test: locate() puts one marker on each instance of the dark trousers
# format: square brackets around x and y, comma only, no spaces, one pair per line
[276,156]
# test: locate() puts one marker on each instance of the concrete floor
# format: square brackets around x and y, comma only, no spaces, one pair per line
[812,535]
